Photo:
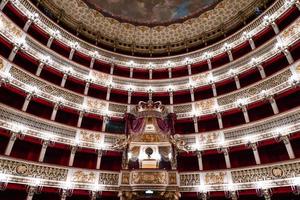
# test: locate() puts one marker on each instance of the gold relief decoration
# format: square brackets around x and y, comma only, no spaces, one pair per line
[108,178]
[11,30]
[209,137]
[90,136]
[189,179]
[205,105]
[172,178]
[288,170]
[84,176]
[268,84]
[147,137]
[213,178]
[96,104]
[291,30]
[20,168]
[277,172]
[144,178]
[101,77]
[43,86]
[201,78]
[125,178]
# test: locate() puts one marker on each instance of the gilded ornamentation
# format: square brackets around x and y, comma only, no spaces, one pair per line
[125,178]
[266,85]
[144,178]
[172,178]
[108,178]
[84,176]
[90,136]
[277,172]
[209,137]
[20,168]
[48,88]
[212,178]
[96,104]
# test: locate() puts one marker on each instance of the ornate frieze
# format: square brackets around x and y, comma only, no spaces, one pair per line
[278,174]
[47,88]
[266,173]
[30,170]
[253,90]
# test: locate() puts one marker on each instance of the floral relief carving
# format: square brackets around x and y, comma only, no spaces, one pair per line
[84,176]
[32,170]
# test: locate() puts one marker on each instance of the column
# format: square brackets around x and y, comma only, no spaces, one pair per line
[81,114]
[171,101]
[150,73]
[104,123]
[92,62]
[203,196]
[195,120]
[255,153]
[252,44]
[288,146]
[64,193]
[220,122]
[150,93]
[3,4]
[266,194]
[72,155]
[129,99]
[112,67]
[43,150]
[200,161]
[192,93]
[86,88]
[13,53]
[170,72]
[71,53]
[93,195]
[189,69]
[99,157]
[274,105]
[275,27]
[288,56]
[39,69]
[131,72]
[245,113]
[109,87]
[30,192]
[54,111]
[227,159]
[10,144]
[229,53]
[50,41]
[63,81]
[209,64]
[214,89]
[27,25]
[237,82]
[233,195]
[26,102]
[261,71]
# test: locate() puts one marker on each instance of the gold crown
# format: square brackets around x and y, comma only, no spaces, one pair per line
[150,106]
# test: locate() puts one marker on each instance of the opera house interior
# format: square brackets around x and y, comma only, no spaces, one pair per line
[149,99]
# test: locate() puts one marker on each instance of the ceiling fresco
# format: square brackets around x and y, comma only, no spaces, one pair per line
[150,12]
